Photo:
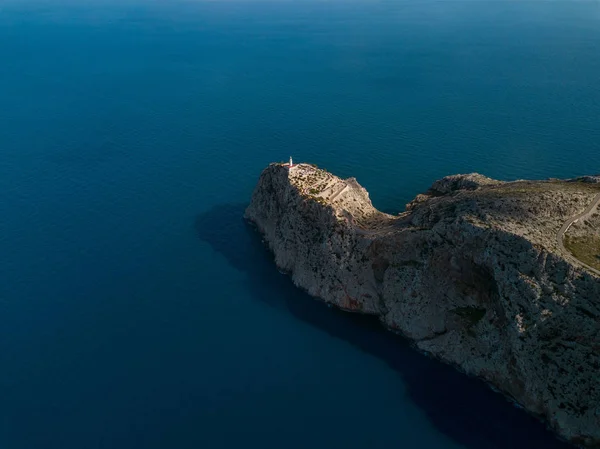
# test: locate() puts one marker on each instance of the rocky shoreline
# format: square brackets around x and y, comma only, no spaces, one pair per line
[471,273]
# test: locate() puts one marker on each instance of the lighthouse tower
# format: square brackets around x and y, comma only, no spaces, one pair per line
[291,162]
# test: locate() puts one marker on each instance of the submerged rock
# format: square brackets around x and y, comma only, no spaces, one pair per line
[471,272]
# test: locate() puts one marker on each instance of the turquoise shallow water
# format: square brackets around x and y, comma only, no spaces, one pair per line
[136,308]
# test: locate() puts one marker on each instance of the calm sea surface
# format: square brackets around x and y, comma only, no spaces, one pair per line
[136,308]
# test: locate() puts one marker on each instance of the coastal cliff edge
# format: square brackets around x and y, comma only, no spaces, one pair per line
[471,272]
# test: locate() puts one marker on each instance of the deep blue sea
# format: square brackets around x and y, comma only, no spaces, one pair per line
[137,310]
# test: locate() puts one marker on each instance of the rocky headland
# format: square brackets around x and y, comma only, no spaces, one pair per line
[473,272]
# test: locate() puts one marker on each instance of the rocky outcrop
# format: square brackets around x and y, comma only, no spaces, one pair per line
[470,272]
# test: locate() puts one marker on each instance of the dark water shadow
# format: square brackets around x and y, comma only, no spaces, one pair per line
[462,408]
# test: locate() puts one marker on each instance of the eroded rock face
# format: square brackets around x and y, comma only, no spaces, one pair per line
[471,272]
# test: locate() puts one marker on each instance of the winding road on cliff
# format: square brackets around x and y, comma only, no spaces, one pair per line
[565,227]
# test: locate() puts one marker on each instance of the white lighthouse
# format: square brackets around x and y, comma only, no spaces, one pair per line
[291,162]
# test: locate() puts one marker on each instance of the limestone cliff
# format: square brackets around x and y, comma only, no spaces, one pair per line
[471,272]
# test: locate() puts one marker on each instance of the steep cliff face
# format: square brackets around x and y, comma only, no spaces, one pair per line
[471,272]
